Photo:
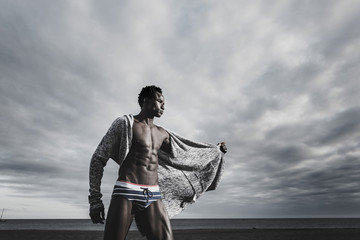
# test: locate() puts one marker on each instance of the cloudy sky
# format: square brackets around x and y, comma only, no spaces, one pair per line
[277,80]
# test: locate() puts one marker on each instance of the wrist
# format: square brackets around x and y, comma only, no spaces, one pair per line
[97,205]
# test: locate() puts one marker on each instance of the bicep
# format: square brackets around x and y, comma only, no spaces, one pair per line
[166,146]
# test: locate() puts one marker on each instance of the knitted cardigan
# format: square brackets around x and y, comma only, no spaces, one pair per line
[185,173]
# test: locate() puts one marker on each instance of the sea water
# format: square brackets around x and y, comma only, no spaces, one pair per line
[183,224]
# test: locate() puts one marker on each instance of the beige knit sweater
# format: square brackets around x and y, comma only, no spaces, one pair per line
[189,170]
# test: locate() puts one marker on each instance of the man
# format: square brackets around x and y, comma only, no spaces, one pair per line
[146,154]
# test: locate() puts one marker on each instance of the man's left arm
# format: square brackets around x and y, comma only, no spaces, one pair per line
[166,146]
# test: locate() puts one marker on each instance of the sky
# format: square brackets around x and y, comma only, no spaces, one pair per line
[276,80]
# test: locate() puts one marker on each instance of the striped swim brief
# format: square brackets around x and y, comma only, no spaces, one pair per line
[140,195]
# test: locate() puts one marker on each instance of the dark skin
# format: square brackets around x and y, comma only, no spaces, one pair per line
[140,167]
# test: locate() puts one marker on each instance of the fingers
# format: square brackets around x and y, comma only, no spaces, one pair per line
[97,219]
[94,218]
[223,147]
[97,215]
[102,215]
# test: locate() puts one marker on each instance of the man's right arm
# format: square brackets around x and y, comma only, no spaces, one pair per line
[106,149]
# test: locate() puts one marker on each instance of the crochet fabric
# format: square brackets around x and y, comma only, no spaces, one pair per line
[185,173]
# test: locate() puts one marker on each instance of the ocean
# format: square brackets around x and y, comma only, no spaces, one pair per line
[187,224]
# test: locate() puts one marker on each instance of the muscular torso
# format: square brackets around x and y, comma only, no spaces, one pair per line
[141,163]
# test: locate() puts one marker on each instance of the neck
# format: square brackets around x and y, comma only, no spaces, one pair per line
[145,118]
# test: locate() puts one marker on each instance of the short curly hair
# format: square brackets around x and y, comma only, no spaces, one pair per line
[148,92]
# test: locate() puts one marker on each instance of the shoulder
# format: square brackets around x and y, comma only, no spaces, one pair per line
[160,129]
[124,119]
[163,131]
[118,124]
[119,120]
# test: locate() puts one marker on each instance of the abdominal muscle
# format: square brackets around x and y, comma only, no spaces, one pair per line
[140,166]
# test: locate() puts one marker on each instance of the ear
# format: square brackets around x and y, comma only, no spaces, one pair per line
[144,101]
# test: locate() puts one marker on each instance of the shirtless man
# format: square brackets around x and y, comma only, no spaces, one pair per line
[138,177]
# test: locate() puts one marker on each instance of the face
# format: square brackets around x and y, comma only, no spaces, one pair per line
[156,105]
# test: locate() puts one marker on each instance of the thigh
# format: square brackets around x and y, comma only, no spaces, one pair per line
[154,222]
[118,219]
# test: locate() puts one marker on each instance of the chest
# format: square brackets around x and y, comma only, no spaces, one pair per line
[147,136]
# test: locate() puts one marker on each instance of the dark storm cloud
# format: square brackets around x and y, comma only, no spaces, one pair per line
[333,128]
[277,82]
[49,85]
[343,126]
[310,160]
[11,166]
[289,170]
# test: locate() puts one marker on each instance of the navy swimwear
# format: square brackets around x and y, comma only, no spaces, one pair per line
[140,195]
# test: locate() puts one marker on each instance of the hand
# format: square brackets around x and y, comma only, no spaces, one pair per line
[97,215]
[223,147]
